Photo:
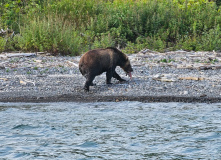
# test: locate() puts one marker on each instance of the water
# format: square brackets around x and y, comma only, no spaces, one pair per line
[123,130]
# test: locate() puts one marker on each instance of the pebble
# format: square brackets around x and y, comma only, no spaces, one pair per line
[154,74]
[185,92]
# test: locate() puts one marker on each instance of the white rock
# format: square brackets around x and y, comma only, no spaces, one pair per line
[185,92]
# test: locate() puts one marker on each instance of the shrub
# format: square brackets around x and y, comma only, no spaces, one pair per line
[71,27]
[2,44]
[49,34]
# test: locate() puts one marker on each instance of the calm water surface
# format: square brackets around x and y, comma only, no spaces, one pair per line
[123,130]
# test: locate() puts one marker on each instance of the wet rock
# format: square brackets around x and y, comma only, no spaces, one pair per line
[203,95]
[2,67]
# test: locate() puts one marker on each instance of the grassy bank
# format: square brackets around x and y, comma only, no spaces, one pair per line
[71,27]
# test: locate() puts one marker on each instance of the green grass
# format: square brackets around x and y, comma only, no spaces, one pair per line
[2,44]
[71,27]
[35,68]
[29,72]
[7,70]
[167,60]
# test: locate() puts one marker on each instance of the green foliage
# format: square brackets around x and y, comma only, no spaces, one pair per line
[167,61]
[71,27]
[211,40]
[12,11]
[49,34]
[2,44]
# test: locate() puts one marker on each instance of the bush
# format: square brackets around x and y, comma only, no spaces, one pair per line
[2,44]
[72,27]
[49,34]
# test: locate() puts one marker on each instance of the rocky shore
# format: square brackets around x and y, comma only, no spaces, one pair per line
[177,76]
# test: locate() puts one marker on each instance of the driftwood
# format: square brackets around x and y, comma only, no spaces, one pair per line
[72,64]
[10,55]
[192,78]
[164,79]
[7,33]
[216,67]
[205,67]
[209,67]
[4,79]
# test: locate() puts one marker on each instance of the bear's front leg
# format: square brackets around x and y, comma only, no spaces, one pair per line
[115,75]
[109,75]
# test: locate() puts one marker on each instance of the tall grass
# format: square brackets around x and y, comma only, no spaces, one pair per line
[50,34]
[2,44]
[73,26]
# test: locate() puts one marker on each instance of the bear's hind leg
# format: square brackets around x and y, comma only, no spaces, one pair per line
[89,82]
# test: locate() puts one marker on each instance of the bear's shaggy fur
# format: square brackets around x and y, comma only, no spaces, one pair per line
[97,61]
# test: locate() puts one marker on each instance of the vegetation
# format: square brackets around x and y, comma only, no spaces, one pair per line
[71,27]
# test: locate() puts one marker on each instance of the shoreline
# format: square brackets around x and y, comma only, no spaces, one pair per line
[177,76]
[87,99]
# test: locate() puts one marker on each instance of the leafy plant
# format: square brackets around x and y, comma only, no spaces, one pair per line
[70,27]
[2,44]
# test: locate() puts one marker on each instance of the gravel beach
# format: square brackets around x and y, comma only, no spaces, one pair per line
[176,76]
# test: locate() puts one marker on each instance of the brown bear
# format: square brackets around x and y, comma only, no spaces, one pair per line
[97,61]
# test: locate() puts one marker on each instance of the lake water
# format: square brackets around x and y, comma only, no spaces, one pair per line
[122,130]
